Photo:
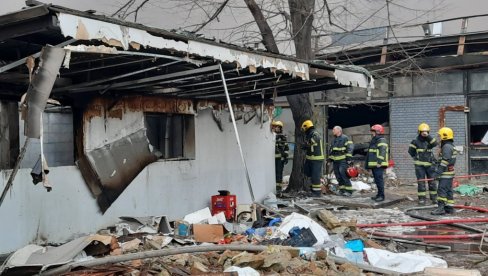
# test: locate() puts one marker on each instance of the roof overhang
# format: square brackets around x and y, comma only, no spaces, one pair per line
[106,55]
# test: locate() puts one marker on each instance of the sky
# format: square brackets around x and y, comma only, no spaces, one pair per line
[171,14]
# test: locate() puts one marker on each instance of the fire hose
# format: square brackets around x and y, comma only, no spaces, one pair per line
[459,176]
[453,222]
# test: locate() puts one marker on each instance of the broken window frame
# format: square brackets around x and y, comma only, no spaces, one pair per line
[179,142]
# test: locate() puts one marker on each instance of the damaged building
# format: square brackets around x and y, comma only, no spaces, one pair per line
[440,80]
[120,119]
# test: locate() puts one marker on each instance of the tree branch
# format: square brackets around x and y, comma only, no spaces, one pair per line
[266,32]
[211,18]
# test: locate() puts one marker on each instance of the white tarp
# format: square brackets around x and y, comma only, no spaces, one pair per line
[302,221]
[410,262]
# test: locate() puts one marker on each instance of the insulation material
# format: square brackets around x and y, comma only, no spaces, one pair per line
[40,89]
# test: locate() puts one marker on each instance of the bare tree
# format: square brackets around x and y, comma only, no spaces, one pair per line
[280,22]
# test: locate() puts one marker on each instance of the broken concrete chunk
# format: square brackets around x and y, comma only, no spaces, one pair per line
[277,261]
[438,271]
[198,268]
[227,255]
[131,245]
[349,269]
[247,259]
[181,259]
[329,219]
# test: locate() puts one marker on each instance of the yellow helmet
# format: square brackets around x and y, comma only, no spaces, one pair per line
[277,123]
[424,127]
[446,133]
[306,125]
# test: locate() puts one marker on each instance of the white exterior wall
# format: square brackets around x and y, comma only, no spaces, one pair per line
[172,188]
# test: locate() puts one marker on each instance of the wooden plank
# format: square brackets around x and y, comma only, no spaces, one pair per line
[384,51]
[460,50]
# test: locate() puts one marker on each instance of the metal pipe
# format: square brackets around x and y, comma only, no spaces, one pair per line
[231,111]
[447,247]
[36,55]
[417,216]
[432,237]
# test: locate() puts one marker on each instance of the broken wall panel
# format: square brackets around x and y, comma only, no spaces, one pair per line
[118,163]
[115,143]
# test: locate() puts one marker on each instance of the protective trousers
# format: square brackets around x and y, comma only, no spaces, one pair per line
[378,179]
[279,164]
[340,167]
[423,172]
[444,192]
[313,169]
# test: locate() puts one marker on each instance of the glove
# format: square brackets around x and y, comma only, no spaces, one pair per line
[349,161]
[285,161]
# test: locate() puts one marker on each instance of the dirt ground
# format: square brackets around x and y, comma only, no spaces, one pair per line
[471,259]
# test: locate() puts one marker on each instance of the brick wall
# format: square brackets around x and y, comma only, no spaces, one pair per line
[405,116]
[58,140]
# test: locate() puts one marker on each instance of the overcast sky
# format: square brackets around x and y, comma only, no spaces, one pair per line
[169,14]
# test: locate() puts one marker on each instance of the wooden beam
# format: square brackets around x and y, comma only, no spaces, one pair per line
[462,40]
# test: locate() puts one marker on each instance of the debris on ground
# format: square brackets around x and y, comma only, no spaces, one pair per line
[298,237]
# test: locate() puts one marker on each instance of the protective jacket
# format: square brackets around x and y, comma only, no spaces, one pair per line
[447,160]
[377,153]
[281,146]
[420,150]
[341,148]
[313,145]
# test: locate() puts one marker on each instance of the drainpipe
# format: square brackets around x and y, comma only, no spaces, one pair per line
[231,111]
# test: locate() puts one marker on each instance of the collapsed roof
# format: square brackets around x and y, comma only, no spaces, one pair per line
[110,56]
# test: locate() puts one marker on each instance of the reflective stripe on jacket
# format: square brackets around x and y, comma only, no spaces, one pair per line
[315,148]
[341,148]
[447,159]
[281,146]
[420,150]
[377,153]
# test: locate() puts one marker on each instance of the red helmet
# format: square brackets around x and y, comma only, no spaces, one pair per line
[379,129]
[352,172]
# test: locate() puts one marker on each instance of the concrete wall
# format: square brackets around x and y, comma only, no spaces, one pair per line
[172,188]
[405,116]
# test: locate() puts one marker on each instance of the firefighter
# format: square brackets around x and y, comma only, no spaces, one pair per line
[341,156]
[420,150]
[377,159]
[445,173]
[315,156]
[281,153]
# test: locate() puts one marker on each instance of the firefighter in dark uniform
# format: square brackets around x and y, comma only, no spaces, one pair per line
[420,150]
[341,156]
[445,173]
[315,156]
[377,160]
[281,153]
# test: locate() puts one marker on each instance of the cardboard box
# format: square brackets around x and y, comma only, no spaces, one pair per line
[208,232]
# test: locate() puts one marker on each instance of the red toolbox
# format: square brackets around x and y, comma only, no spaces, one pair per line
[226,204]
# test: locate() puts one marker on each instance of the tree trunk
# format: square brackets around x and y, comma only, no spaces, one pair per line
[301,12]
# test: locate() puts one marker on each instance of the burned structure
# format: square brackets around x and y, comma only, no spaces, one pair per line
[138,120]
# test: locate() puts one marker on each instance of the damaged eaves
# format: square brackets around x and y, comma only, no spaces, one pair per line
[104,52]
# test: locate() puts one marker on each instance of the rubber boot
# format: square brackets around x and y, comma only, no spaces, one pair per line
[433,199]
[449,209]
[421,200]
[439,211]
[316,194]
